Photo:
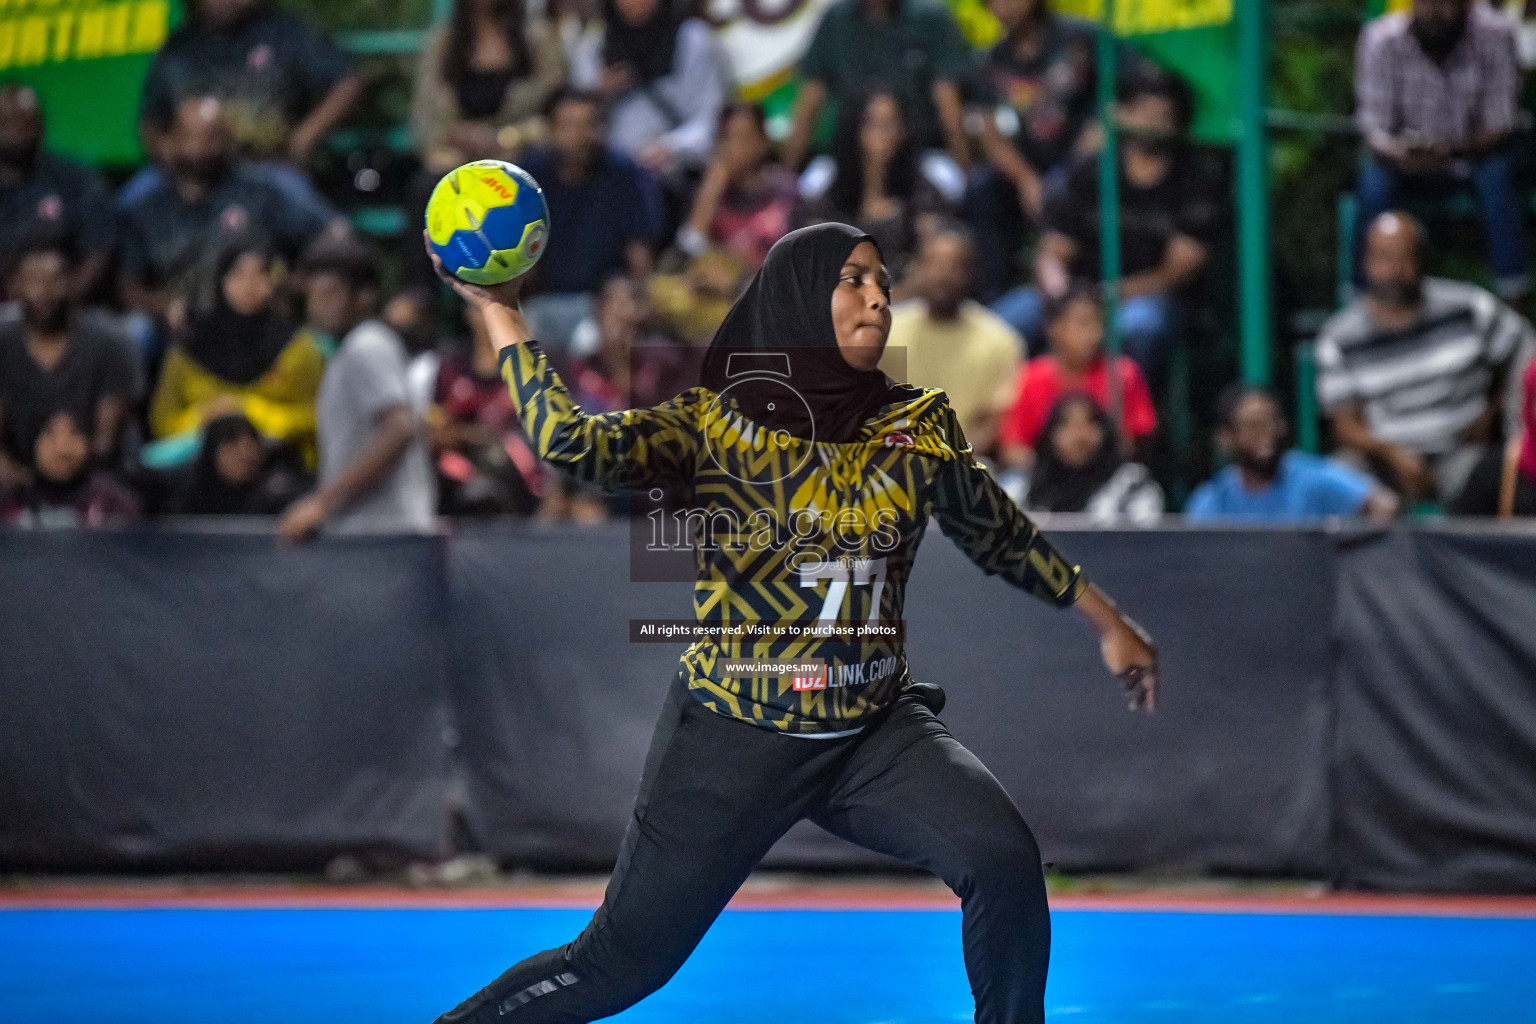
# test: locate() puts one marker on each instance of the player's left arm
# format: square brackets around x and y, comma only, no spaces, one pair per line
[977,514]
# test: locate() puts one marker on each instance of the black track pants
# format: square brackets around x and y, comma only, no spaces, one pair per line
[717,793]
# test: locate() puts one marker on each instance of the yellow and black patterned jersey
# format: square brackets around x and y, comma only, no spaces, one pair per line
[803,548]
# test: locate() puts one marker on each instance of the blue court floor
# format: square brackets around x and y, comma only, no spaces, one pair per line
[383,966]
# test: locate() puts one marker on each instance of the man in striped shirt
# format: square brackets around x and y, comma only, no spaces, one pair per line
[1413,373]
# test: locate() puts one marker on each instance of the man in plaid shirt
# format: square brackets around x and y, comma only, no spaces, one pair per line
[1436,103]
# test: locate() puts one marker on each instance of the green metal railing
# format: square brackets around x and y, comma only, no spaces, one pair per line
[384,42]
[1308,414]
[1253,192]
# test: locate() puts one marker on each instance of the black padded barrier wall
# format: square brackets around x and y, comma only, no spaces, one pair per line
[1359,705]
[1435,755]
[176,699]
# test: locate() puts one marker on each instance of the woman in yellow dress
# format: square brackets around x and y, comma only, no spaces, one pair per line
[239,352]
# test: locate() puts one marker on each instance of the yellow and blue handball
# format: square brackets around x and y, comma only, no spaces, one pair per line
[488,221]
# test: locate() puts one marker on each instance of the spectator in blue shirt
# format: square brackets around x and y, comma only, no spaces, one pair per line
[1266,482]
[606,213]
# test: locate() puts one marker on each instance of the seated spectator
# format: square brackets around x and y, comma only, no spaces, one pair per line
[284,84]
[482,84]
[1076,362]
[747,199]
[1413,373]
[239,352]
[484,463]
[1437,94]
[691,303]
[1081,468]
[44,193]
[746,202]
[913,47]
[62,490]
[1170,206]
[375,470]
[1039,84]
[877,179]
[207,195]
[53,358]
[631,368]
[238,472]
[663,78]
[945,339]
[1264,481]
[317,306]
[1504,483]
[608,211]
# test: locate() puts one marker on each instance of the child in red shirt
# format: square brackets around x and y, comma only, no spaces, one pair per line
[1075,328]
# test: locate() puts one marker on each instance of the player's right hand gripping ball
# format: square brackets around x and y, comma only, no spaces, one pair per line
[488,221]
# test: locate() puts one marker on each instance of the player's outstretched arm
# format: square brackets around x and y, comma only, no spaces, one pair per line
[1128,651]
[639,448]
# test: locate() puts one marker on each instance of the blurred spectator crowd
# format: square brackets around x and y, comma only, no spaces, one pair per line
[215,338]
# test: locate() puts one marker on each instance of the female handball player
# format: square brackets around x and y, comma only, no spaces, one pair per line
[816,476]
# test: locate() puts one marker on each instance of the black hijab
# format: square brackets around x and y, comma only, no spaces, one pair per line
[208,493]
[647,47]
[786,315]
[1058,487]
[233,346]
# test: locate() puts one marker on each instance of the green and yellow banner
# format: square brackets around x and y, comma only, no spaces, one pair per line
[1145,17]
[1196,38]
[87,60]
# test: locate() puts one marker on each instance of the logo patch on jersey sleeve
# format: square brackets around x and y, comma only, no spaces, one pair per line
[899,439]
